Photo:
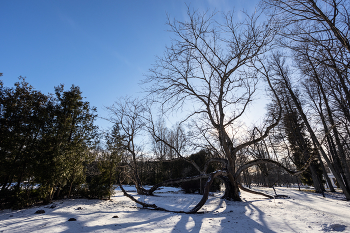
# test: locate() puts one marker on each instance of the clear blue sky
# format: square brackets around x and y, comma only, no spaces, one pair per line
[104,47]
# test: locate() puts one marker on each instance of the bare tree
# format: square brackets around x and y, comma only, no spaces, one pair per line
[129,114]
[136,123]
[214,67]
[175,137]
[313,20]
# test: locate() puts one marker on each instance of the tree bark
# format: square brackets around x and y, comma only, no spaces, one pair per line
[316,179]
[330,185]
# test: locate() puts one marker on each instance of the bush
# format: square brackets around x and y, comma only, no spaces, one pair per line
[190,186]
[97,187]
[100,178]
[193,186]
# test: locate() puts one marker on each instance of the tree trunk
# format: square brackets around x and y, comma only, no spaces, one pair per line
[330,185]
[48,198]
[204,199]
[341,152]
[70,189]
[316,179]
[231,190]
[57,193]
[336,161]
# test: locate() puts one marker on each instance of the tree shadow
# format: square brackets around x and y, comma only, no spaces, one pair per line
[234,217]
[224,216]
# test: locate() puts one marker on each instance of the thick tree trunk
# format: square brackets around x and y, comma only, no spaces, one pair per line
[231,190]
[204,199]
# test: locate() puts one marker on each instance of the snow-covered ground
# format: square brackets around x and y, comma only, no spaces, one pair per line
[302,212]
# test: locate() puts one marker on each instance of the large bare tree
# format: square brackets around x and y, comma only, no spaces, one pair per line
[212,68]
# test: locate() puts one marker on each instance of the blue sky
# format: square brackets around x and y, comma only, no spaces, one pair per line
[104,47]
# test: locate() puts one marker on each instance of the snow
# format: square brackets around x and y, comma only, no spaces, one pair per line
[302,212]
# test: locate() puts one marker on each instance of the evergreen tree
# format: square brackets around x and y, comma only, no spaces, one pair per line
[73,132]
[102,173]
[22,125]
[301,148]
[44,140]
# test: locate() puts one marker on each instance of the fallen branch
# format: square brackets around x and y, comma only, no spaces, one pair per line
[194,210]
[254,192]
[144,205]
[206,191]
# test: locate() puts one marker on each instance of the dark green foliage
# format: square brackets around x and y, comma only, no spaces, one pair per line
[23,121]
[300,145]
[102,173]
[98,183]
[200,159]
[45,142]
[159,171]
[192,186]
[181,168]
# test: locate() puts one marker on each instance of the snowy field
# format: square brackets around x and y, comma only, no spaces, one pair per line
[302,212]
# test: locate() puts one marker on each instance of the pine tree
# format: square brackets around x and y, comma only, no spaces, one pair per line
[301,148]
